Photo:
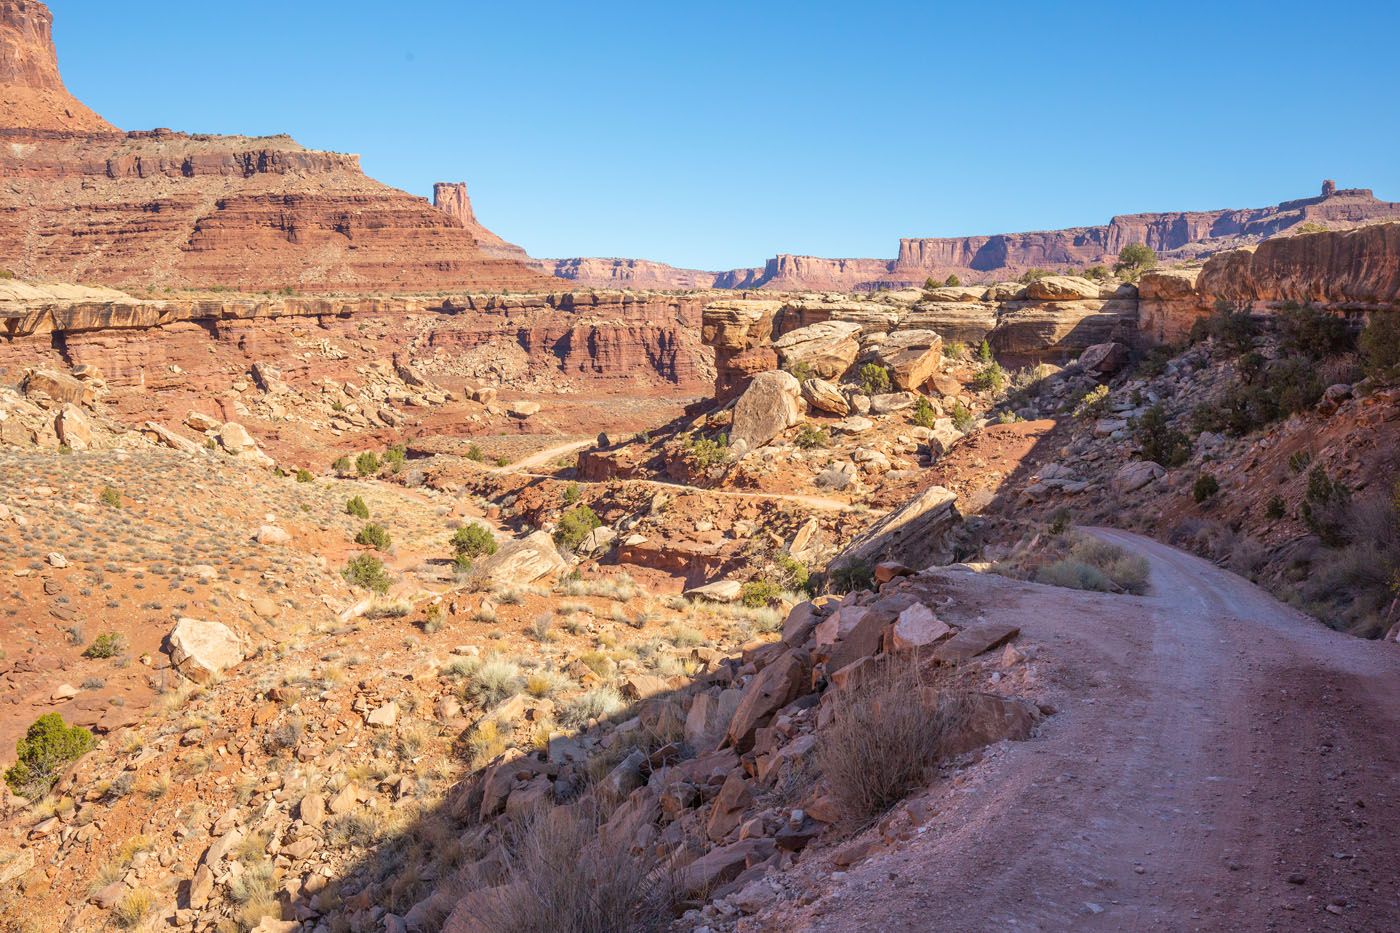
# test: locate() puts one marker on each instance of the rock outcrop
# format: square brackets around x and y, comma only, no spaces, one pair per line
[32,94]
[452,199]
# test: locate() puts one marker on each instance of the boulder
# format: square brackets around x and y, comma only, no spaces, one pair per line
[828,347]
[162,435]
[729,806]
[1062,288]
[911,356]
[58,386]
[1104,358]
[916,534]
[917,627]
[720,591]
[891,402]
[72,427]
[769,406]
[767,692]
[235,438]
[203,650]
[971,642]
[1136,474]
[984,719]
[825,396]
[523,560]
[523,410]
[271,534]
[720,866]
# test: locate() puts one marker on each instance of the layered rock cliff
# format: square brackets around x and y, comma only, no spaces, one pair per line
[452,199]
[32,94]
[82,202]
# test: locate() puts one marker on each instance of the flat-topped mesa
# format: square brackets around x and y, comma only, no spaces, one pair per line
[32,94]
[452,199]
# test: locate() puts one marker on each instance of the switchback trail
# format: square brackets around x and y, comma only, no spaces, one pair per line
[1219,761]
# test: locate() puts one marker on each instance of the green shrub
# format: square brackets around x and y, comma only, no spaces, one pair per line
[990,379]
[925,415]
[811,437]
[706,452]
[47,748]
[106,645]
[1093,403]
[575,525]
[394,458]
[1274,510]
[374,536]
[874,379]
[474,453]
[341,465]
[857,575]
[356,507]
[954,349]
[1096,273]
[304,475]
[801,370]
[1314,334]
[1205,487]
[367,572]
[502,461]
[962,418]
[1380,346]
[759,593]
[1133,260]
[474,540]
[1033,274]
[1286,386]
[1060,521]
[1091,564]
[794,575]
[1158,440]
[6,274]
[367,463]
[952,281]
[1235,330]
[1325,508]
[984,352]
[1299,460]
[110,497]
[572,493]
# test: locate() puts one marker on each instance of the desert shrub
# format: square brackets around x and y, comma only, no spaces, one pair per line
[356,507]
[502,461]
[1205,487]
[856,575]
[474,540]
[1274,509]
[1033,274]
[1325,508]
[575,525]
[106,645]
[1234,330]
[952,281]
[110,497]
[394,458]
[1060,521]
[707,452]
[6,274]
[1096,273]
[990,379]
[801,370]
[367,572]
[792,574]
[759,593]
[811,437]
[1311,333]
[475,453]
[367,463]
[962,418]
[596,704]
[924,413]
[984,352]
[1380,347]
[1093,403]
[874,379]
[954,349]
[304,475]
[564,875]
[374,536]
[1158,441]
[1133,260]
[1085,563]
[572,493]
[341,466]
[133,909]
[883,740]
[49,746]
[1074,575]
[494,681]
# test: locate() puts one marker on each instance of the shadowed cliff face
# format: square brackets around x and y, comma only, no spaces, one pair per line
[32,94]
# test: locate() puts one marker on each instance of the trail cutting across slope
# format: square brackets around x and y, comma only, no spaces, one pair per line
[1219,761]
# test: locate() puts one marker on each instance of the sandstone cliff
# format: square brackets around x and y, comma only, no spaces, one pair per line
[452,199]
[82,202]
[32,94]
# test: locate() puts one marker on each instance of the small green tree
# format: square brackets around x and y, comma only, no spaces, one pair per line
[1134,259]
[574,526]
[1380,346]
[962,418]
[367,463]
[924,413]
[990,379]
[984,352]
[356,507]
[874,379]
[367,572]
[47,748]
[374,536]
[1205,487]
[952,281]
[394,458]
[1158,440]
[572,493]
[110,497]
[473,541]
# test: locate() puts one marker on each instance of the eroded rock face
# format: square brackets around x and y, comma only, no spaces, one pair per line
[769,406]
[203,650]
[1357,269]
[32,95]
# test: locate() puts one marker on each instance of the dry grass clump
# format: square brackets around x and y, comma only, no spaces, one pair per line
[884,739]
[1080,562]
[596,704]
[564,877]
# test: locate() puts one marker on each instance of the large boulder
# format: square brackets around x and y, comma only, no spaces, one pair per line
[768,691]
[203,650]
[1062,288]
[769,406]
[828,347]
[825,396]
[523,560]
[1136,474]
[73,427]
[916,534]
[911,356]
[58,386]
[1104,358]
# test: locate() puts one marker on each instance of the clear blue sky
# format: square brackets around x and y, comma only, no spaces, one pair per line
[717,134]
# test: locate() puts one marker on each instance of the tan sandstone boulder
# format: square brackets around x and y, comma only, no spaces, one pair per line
[769,406]
[521,561]
[912,356]
[825,396]
[203,650]
[828,347]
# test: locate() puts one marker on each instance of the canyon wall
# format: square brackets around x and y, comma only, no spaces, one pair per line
[1174,236]
[80,201]
[452,199]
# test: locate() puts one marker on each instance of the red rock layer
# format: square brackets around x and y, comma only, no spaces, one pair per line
[32,94]
[168,209]
[1352,270]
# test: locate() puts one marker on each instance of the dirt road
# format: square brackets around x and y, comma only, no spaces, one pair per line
[1218,762]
